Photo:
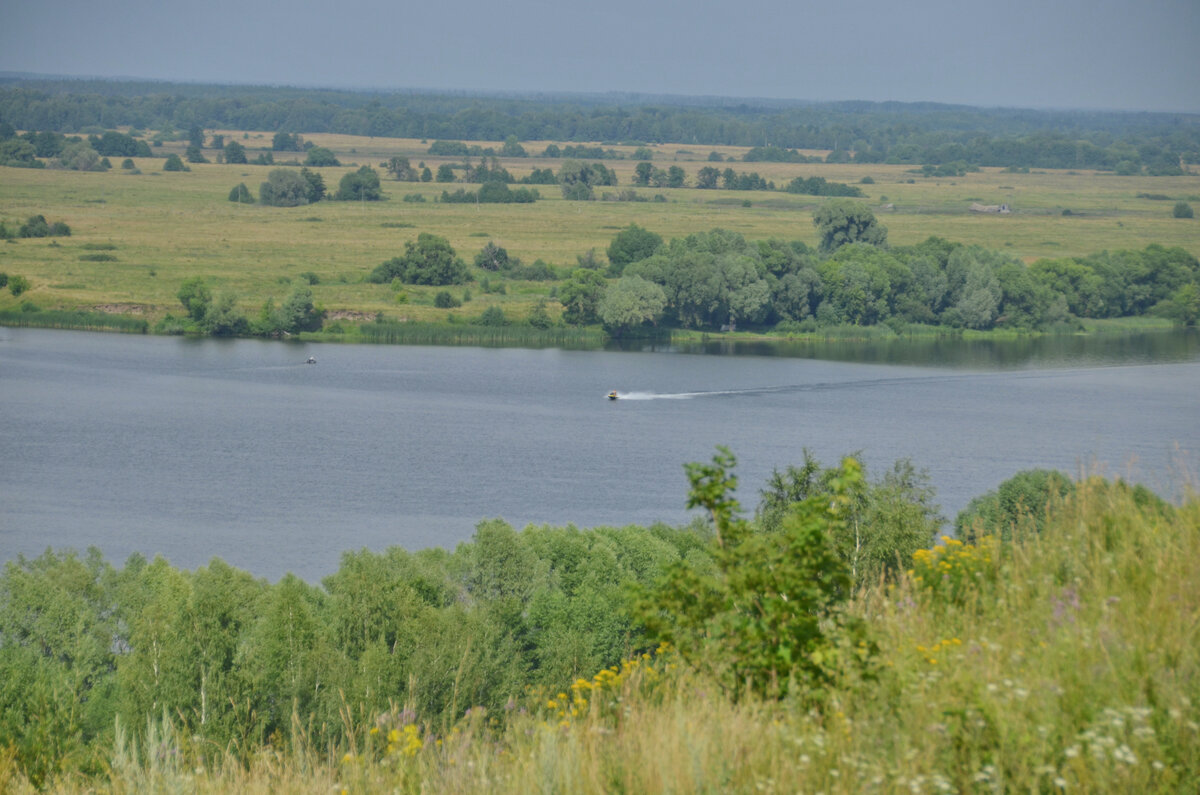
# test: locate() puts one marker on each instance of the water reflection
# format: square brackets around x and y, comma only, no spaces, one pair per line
[1090,350]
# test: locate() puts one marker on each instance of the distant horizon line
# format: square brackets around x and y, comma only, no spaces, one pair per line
[722,99]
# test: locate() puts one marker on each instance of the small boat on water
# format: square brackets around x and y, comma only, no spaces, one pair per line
[612,395]
[311,360]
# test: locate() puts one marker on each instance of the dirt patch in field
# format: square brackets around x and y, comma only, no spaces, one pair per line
[121,309]
[346,314]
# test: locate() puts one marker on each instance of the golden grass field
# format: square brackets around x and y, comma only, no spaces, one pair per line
[167,227]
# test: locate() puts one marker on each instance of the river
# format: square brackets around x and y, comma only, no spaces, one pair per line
[238,449]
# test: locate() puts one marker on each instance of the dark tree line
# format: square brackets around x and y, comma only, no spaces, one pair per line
[867,132]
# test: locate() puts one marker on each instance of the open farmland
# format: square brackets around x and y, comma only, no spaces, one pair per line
[165,227]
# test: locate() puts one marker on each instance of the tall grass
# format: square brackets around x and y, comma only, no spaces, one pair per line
[1061,662]
[462,334]
[79,320]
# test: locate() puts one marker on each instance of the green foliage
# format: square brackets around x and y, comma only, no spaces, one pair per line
[1182,210]
[38,226]
[316,185]
[764,617]
[223,319]
[286,142]
[1183,306]
[492,258]
[194,155]
[839,223]
[361,185]
[491,193]
[195,297]
[732,180]
[71,319]
[174,163]
[818,186]
[444,300]
[581,295]
[629,303]
[321,157]
[492,316]
[512,148]
[241,194]
[401,169]
[298,313]
[285,188]
[78,156]
[539,318]
[578,179]
[17,153]
[886,521]
[954,572]
[1022,502]
[631,245]
[709,279]
[17,285]
[430,260]
[235,153]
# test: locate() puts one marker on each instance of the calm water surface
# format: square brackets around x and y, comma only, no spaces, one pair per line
[237,449]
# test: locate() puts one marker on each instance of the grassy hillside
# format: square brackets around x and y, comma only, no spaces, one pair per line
[1061,661]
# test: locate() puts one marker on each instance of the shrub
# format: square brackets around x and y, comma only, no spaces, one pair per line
[17,285]
[492,316]
[429,260]
[319,156]
[764,615]
[1182,210]
[241,194]
[284,188]
[443,300]
[492,258]
[174,163]
[1021,500]
[37,226]
[539,317]
[361,185]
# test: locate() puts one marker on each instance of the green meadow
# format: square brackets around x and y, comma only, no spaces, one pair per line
[154,229]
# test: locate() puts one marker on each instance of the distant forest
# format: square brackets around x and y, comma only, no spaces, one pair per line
[869,132]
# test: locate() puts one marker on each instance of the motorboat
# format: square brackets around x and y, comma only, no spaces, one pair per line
[311,360]
[612,395]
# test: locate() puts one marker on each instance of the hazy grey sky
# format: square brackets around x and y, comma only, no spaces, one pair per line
[1126,54]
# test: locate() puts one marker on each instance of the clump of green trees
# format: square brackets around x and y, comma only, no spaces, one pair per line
[719,278]
[219,316]
[38,226]
[428,260]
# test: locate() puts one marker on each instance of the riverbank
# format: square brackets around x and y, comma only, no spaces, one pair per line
[519,335]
